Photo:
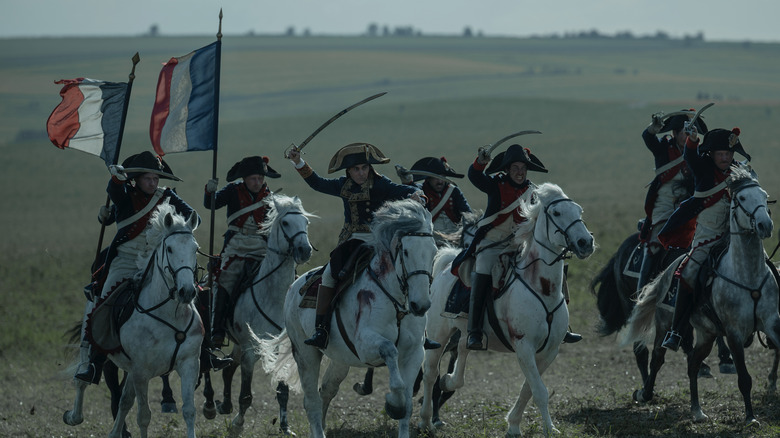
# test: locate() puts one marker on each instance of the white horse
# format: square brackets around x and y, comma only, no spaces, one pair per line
[379,319]
[165,332]
[744,296]
[531,316]
[260,307]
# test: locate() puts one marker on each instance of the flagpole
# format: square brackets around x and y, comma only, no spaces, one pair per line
[136,59]
[218,57]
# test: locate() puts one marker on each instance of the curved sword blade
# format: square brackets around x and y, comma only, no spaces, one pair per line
[493,146]
[340,113]
[696,116]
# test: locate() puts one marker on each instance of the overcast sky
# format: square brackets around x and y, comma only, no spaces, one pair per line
[719,20]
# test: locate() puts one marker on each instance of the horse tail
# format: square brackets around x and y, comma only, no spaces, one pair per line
[605,288]
[277,358]
[642,320]
[443,257]
[73,334]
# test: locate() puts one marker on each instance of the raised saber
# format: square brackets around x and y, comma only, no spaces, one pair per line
[401,171]
[331,120]
[698,113]
[493,146]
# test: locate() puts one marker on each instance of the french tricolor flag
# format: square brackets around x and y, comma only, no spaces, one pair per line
[89,118]
[184,113]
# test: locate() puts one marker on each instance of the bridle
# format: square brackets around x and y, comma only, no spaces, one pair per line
[751,215]
[558,229]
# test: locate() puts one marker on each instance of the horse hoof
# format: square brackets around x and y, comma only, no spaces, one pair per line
[752,422]
[66,418]
[700,417]
[639,396]
[225,407]
[727,368]
[287,431]
[395,412]
[705,372]
[362,390]
[169,408]
[438,424]
[209,410]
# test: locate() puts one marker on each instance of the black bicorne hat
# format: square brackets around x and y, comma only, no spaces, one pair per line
[723,140]
[251,166]
[146,162]
[514,154]
[677,123]
[438,166]
[356,153]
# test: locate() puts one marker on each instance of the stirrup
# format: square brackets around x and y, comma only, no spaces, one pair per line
[319,339]
[672,340]
[218,363]
[571,338]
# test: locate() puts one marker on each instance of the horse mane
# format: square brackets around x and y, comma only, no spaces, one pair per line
[542,196]
[394,217]
[468,219]
[741,176]
[157,230]
[278,206]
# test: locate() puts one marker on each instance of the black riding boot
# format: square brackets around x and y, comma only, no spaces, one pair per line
[94,369]
[322,322]
[682,312]
[648,269]
[570,337]
[220,310]
[481,284]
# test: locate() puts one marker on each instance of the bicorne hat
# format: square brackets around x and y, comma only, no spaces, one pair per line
[723,140]
[251,166]
[356,153]
[146,162]
[439,166]
[514,154]
[677,123]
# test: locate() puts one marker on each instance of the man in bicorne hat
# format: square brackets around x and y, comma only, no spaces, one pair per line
[134,193]
[445,201]
[673,183]
[246,212]
[709,206]
[362,191]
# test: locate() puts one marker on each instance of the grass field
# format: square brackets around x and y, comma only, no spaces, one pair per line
[446,96]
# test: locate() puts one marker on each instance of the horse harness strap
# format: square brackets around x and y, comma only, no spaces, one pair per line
[755,294]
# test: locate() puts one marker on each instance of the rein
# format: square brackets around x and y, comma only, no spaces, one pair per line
[180,335]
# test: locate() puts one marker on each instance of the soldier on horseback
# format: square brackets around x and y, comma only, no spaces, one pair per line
[673,183]
[445,200]
[134,191]
[710,163]
[244,246]
[362,191]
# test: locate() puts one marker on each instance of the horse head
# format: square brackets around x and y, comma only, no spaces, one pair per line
[404,230]
[176,254]
[749,212]
[561,227]
[287,228]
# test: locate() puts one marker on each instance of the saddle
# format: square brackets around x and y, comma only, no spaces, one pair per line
[108,316]
[348,270]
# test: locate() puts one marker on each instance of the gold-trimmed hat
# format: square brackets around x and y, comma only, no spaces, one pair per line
[723,140]
[354,154]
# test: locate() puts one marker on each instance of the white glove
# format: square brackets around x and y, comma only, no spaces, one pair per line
[690,130]
[118,172]
[406,177]
[656,124]
[211,185]
[103,214]
[483,155]
[419,196]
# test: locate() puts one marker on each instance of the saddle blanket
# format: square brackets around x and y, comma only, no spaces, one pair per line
[634,262]
[457,305]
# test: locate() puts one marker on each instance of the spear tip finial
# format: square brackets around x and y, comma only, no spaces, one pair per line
[219,32]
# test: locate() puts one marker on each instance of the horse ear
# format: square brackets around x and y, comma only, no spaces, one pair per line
[276,204]
[193,221]
[168,221]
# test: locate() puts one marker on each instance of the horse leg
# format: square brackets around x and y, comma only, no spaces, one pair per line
[225,406]
[248,360]
[209,408]
[726,364]
[440,397]
[168,403]
[532,366]
[282,396]
[456,379]
[642,356]
[188,372]
[75,416]
[430,371]
[331,380]
[144,414]
[125,404]
[367,387]
[111,375]
[744,381]
[410,362]
[307,360]
[646,393]
[695,358]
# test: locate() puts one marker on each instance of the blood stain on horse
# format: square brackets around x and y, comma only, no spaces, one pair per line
[365,297]
[547,286]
